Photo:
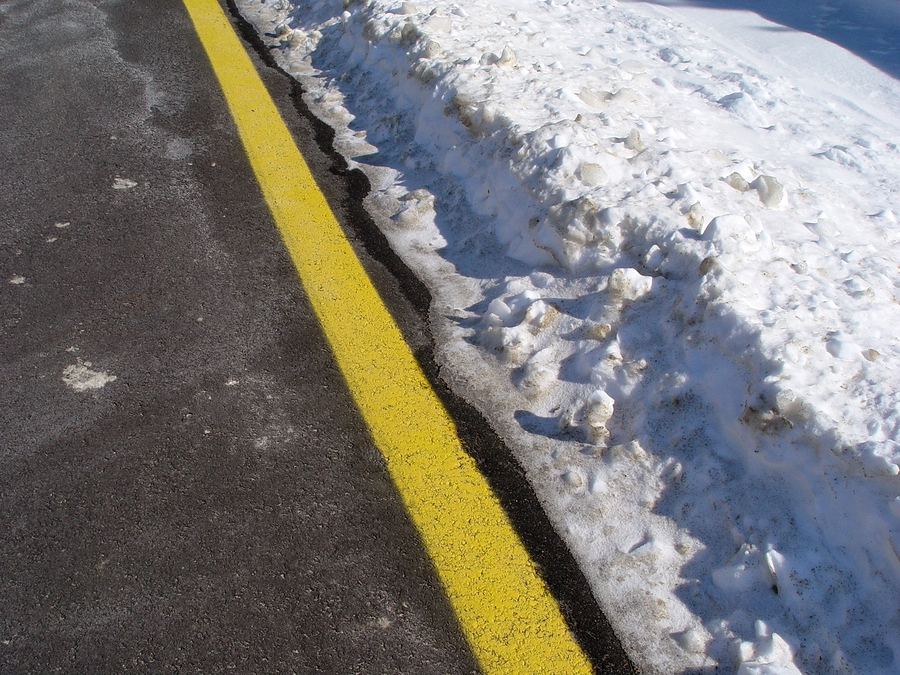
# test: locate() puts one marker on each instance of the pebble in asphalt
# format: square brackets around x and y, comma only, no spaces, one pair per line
[184,485]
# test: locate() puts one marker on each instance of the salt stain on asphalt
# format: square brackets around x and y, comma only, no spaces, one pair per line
[80,377]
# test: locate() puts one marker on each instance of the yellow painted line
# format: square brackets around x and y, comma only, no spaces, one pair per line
[510,620]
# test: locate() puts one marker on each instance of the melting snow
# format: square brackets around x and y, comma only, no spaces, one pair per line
[80,377]
[123,184]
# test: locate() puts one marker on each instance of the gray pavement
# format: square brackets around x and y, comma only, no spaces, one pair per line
[218,504]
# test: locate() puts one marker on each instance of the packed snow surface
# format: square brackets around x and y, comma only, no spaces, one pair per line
[663,247]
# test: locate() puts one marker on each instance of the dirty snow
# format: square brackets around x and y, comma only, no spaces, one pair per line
[663,247]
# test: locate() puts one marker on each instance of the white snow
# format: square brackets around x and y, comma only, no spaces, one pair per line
[663,247]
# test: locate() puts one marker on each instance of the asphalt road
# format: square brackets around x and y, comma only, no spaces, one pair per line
[218,505]
[185,485]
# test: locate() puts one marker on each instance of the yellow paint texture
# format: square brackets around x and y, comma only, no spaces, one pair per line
[510,620]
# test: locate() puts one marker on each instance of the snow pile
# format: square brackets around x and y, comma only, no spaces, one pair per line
[670,276]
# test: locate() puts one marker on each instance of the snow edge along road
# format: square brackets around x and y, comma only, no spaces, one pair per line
[489,579]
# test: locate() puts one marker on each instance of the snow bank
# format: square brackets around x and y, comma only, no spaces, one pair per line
[670,277]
